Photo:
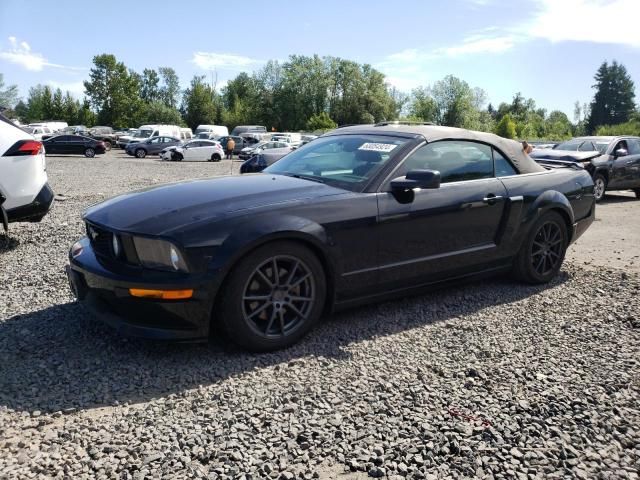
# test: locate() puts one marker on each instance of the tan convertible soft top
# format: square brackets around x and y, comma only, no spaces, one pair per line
[433,133]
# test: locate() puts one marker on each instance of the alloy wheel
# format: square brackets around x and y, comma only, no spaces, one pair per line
[279,296]
[599,187]
[546,251]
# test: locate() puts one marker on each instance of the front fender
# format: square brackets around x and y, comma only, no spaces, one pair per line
[246,236]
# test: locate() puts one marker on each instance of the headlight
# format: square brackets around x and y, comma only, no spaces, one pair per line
[159,254]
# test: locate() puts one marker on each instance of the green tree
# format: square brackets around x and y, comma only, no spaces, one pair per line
[320,121]
[158,112]
[613,102]
[506,127]
[423,106]
[458,105]
[114,92]
[149,86]
[170,89]
[8,94]
[22,111]
[632,127]
[198,105]
[57,105]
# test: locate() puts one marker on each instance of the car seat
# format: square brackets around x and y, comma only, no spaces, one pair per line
[367,160]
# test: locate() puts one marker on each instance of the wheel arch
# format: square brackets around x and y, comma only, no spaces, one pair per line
[243,241]
[551,200]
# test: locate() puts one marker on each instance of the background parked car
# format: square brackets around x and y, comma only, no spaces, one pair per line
[240,143]
[262,160]
[195,150]
[38,132]
[248,152]
[612,162]
[151,146]
[25,195]
[74,145]
[104,134]
[247,128]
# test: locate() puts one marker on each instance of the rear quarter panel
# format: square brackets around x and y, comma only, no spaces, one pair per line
[566,190]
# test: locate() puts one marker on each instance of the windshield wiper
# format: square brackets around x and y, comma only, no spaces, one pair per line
[302,177]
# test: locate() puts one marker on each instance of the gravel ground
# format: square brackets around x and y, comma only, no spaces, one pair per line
[490,380]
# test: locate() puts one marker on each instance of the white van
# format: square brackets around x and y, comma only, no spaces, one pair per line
[213,130]
[148,131]
[186,134]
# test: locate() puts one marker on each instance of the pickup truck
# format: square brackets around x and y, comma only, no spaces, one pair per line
[612,162]
[104,134]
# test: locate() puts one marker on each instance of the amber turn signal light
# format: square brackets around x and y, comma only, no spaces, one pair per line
[161,294]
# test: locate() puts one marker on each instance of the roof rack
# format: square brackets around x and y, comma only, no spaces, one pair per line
[401,122]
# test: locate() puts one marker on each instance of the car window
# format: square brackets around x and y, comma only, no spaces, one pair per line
[455,160]
[621,144]
[155,140]
[634,146]
[344,161]
[502,166]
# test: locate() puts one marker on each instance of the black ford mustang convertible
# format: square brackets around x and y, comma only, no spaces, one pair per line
[360,214]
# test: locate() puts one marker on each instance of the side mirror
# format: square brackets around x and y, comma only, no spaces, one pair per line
[621,152]
[417,179]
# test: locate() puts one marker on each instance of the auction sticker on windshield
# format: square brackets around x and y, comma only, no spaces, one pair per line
[378,147]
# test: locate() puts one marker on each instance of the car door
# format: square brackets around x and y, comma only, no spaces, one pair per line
[52,145]
[444,231]
[155,145]
[621,171]
[70,145]
[633,164]
[194,152]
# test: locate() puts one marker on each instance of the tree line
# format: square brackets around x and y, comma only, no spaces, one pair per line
[319,93]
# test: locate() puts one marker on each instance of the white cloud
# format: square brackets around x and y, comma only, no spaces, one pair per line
[479,44]
[597,21]
[223,61]
[21,54]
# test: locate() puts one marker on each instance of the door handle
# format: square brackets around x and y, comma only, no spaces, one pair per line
[491,199]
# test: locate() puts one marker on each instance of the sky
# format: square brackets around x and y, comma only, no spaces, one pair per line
[548,50]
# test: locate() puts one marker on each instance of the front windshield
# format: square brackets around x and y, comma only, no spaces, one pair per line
[602,146]
[203,135]
[343,161]
[144,133]
[29,129]
[571,145]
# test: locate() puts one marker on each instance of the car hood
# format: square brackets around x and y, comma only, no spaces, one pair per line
[564,155]
[168,209]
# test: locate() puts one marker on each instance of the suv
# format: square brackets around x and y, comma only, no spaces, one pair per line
[25,195]
[612,162]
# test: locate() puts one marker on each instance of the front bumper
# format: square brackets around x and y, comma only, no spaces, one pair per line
[105,293]
[34,211]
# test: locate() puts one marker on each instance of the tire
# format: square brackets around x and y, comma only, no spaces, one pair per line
[141,153]
[259,316]
[177,157]
[215,158]
[637,192]
[599,186]
[107,145]
[89,153]
[542,252]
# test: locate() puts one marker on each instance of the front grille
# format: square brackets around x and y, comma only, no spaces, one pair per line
[100,241]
